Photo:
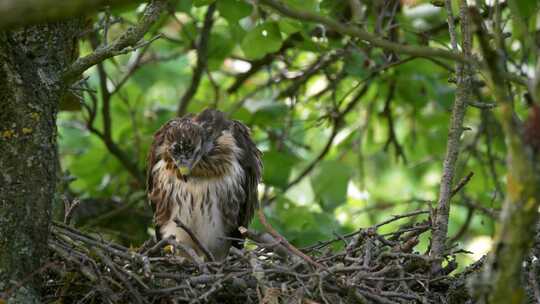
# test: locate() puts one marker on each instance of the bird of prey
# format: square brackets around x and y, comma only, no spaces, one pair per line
[203,171]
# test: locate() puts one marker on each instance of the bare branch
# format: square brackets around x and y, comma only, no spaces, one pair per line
[463,94]
[518,218]
[202,58]
[127,42]
[350,30]
[194,238]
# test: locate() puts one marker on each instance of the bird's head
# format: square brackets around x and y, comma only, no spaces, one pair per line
[186,146]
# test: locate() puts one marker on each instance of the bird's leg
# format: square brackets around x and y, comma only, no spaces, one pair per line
[181,249]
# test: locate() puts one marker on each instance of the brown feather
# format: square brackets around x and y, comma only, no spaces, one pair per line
[232,152]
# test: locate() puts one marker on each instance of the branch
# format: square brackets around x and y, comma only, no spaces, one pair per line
[463,94]
[354,31]
[284,241]
[106,134]
[202,58]
[338,120]
[260,63]
[387,112]
[320,63]
[127,42]
[195,240]
[26,12]
[515,231]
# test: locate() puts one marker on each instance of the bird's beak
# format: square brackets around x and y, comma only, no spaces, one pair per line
[184,170]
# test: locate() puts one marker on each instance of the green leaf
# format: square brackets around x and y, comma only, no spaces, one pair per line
[277,167]
[305,5]
[219,47]
[263,39]
[234,10]
[199,3]
[270,114]
[189,31]
[356,65]
[184,6]
[289,26]
[526,8]
[330,182]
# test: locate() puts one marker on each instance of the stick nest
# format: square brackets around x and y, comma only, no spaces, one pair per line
[371,268]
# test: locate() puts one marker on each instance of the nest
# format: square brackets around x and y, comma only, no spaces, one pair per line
[371,268]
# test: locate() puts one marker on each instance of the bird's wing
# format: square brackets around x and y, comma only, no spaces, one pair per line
[237,213]
[251,163]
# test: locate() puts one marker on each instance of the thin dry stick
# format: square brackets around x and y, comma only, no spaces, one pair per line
[354,31]
[464,181]
[193,237]
[283,241]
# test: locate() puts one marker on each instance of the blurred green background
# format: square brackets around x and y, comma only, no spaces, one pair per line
[381,158]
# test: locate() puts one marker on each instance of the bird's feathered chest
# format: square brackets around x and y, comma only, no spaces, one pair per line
[208,206]
[198,189]
[200,195]
[203,170]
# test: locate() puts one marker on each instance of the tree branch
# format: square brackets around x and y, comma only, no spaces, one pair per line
[354,31]
[127,42]
[516,229]
[463,94]
[106,134]
[26,12]
[260,63]
[202,58]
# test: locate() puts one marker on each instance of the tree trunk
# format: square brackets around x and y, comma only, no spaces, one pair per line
[31,63]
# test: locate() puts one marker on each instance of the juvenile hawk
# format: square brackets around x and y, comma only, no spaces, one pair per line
[203,170]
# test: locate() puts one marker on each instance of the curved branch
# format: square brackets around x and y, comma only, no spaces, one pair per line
[350,30]
[127,42]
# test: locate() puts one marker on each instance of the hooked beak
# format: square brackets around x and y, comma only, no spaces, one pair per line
[184,170]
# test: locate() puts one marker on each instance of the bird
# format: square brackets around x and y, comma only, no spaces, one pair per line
[203,172]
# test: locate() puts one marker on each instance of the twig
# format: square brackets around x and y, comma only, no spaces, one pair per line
[106,272]
[69,207]
[461,184]
[260,63]
[481,105]
[354,31]
[125,43]
[283,241]
[106,134]
[202,58]
[387,112]
[134,294]
[337,125]
[194,238]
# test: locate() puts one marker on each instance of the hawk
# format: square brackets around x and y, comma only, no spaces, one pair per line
[203,170]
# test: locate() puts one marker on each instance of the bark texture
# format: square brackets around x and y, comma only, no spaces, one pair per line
[32,60]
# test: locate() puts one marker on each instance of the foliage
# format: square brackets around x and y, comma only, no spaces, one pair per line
[292,82]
